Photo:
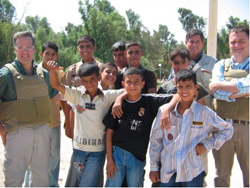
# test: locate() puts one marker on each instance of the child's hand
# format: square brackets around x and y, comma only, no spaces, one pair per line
[165,119]
[117,108]
[111,168]
[154,176]
[200,149]
[52,65]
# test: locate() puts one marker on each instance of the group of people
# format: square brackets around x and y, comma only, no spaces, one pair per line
[115,113]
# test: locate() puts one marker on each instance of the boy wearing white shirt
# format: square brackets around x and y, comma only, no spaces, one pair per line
[92,105]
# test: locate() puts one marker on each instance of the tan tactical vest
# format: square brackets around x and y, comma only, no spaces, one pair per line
[32,106]
[238,110]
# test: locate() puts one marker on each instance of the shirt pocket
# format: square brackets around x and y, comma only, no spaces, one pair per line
[195,160]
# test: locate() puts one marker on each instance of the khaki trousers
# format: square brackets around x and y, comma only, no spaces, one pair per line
[27,147]
[224,157]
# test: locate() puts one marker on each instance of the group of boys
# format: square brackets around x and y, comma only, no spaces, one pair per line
[122,131]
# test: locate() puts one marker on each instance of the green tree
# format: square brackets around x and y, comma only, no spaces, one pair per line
[191,21]
[102,21]
[135,25]
[32,23]
[7,11]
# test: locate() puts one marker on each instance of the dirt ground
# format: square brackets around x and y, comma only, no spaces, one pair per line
[66,152]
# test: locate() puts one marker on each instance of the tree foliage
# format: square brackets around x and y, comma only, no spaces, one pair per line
[7,11]
[191,21]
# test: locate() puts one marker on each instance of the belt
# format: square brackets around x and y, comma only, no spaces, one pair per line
[241,122]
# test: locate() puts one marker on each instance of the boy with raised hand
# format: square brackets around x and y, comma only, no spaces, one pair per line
[128,136]
[181,147]
[92,104]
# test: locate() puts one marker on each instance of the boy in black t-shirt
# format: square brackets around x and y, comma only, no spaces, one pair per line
[128,136]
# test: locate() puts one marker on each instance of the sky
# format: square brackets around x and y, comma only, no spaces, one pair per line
[152,12]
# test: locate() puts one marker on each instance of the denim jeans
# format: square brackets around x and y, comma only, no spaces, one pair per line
[88,165]
[127,165]
[196,182]
[54,165]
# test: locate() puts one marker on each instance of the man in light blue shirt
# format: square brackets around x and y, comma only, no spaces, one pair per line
[230,82]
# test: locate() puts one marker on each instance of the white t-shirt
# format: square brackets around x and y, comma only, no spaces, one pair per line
[89,131]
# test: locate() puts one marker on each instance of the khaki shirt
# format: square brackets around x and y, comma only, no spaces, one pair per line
[70,77]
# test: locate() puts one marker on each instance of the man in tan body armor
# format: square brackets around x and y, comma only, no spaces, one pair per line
[230,88]
[25,111]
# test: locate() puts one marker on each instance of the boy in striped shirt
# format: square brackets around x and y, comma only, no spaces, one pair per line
[181,147]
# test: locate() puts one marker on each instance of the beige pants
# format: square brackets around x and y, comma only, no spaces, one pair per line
[27,147]
[224,157]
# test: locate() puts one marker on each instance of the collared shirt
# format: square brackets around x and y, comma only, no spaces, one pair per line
[242,84]
[89,131]
[71,78]
[176,147]
[198,58]
[7,89]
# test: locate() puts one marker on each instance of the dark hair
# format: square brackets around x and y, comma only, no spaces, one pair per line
[51,45]
[87,69]
[132,70]
[24,34]
[120,45]
[105,65]
[195,32]
[186,74]
[133,43]
[86,38]
[183,52]
[240,28]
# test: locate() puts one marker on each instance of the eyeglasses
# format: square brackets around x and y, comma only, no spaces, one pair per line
[24,48]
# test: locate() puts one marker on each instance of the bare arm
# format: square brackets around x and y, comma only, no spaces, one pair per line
[152,90]
[225,86]
[233,96]
[111,168]
[54,81]
[66,110]
[3,134]
[166,108]
[117,107]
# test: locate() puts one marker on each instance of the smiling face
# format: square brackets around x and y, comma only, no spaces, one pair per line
[194,45]
[133,84]
[24,50]
[86,51]
[134,54]
[91,83]
[239,46]
[109,75]
[187,90]
[179,64]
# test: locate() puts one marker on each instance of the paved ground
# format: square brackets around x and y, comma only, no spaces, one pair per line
[66,151]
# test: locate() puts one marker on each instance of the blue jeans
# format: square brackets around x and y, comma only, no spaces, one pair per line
[196,182]
[88,165]
[54,165]
[127,165]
